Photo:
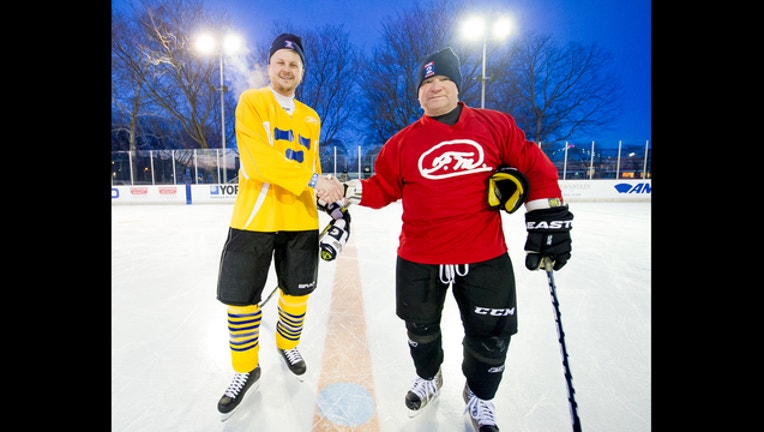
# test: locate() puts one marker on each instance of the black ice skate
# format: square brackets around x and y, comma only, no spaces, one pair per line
[293,360]
[242,385]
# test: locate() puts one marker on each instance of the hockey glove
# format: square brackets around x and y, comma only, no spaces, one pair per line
[548,236]
[353,191]
[507,189]
[334,236]
[333,209]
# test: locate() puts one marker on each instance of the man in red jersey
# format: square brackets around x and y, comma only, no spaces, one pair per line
[448,168]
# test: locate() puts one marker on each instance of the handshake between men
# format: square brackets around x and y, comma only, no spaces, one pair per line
[329,189]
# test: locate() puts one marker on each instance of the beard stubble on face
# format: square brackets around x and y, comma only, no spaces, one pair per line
[438,105]
[285,85]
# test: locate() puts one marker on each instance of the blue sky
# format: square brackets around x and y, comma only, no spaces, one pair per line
[624,28]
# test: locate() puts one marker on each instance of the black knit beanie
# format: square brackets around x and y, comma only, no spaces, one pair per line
[444,62]
[287,40]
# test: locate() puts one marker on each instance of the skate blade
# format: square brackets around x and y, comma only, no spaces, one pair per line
[226,416]
[300,378]
[413,413]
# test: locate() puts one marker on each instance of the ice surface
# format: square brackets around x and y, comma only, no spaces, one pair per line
[170,359]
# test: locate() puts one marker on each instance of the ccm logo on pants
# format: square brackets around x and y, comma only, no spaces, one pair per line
[494,312]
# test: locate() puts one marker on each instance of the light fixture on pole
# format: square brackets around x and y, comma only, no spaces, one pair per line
[208,44]
[475,28]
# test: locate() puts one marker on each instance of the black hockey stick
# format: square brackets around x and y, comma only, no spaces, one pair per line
[262,303]
[561,334]
[326,229]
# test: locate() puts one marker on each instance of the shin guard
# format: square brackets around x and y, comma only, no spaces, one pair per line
[292,311]
[244,336]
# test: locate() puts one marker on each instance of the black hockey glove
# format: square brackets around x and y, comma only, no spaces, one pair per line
[334,236]
[548,236]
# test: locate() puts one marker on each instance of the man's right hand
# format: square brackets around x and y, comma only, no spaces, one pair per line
[329,189]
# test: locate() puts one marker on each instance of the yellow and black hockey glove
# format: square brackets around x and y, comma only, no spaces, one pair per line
[507,189]
[334,236]
[335,209]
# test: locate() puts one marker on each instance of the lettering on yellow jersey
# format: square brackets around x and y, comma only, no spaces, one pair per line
[288,135]
[299,156]
[280,134]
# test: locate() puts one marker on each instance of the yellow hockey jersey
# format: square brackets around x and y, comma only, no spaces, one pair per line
[278,154]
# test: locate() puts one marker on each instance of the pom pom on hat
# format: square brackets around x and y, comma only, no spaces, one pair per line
[290,41]
[443,62]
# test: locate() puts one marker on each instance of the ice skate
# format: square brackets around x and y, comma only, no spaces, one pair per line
[481,411]
[422,392]
[243,384]
[294,361]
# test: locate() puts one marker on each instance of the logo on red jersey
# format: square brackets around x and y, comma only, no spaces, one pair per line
[453,158]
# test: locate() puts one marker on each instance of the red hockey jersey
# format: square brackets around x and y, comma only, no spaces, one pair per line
[440,173]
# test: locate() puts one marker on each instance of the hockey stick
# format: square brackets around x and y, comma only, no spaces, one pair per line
[262,303]
[324,231]
[561,334]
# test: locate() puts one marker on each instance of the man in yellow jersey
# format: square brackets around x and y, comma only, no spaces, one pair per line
[274,218]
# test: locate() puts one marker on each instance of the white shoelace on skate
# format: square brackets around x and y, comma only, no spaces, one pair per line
[425,389]
[238,383]
[449,271]
[293,356]
[480,410]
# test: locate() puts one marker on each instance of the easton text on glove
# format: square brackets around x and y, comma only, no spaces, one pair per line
[548,236]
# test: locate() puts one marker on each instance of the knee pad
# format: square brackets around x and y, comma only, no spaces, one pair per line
[422,333]
[491,350]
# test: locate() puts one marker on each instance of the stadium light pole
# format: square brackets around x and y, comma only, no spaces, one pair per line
[475,28]
[208,44]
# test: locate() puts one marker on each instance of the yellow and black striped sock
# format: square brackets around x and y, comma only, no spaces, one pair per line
[291,319]
[244,336]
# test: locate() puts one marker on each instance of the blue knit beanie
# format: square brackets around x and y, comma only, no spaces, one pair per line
[444,62]
[287,40]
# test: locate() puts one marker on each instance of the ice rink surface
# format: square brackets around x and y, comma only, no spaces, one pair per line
[169,343]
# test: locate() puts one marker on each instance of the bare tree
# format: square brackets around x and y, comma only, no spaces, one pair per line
[331,78]
[129,71]
[173,76]
[389,83]
[555,93]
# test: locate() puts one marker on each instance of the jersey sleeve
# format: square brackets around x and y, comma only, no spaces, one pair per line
[527,156]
